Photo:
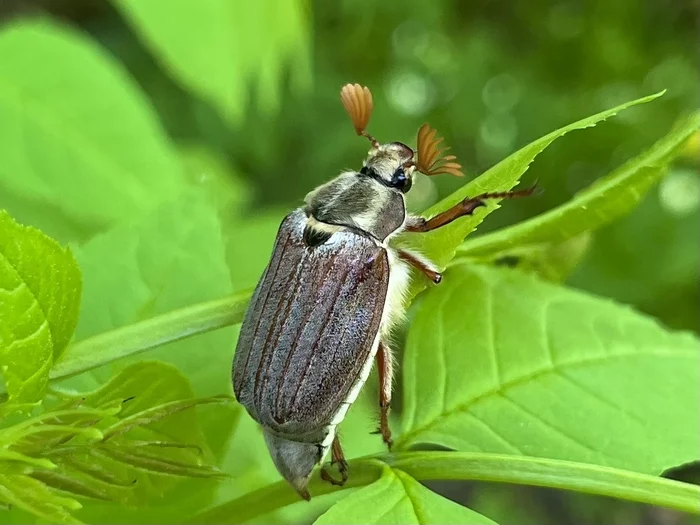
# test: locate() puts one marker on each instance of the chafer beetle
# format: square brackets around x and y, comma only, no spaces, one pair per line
[323,310]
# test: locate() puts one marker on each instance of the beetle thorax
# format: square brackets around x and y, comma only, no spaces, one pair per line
[370,200]
[358,202]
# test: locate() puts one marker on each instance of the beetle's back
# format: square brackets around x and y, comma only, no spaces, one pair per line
[310,328]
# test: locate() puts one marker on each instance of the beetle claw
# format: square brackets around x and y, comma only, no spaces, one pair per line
[342,469]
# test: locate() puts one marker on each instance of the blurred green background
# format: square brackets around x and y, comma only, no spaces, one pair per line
[491,76]
[260,129]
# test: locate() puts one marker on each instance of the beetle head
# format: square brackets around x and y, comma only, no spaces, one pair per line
[393,164]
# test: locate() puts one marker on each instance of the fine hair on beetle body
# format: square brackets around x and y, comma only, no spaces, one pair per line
[335,286]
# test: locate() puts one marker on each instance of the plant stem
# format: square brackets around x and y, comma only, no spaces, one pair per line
[524,470]
[544,472]
[145,335]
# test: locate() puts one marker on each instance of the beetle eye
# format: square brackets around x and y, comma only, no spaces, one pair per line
[400,181]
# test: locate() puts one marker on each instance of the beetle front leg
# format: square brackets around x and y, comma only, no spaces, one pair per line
[338,457]
[385,367]
[461,209]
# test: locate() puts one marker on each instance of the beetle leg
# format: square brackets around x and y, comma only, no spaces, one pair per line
[338,457]
[385,367]
[421,265]
[465,207]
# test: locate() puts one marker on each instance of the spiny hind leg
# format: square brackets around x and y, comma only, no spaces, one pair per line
[386,372]
[337,457]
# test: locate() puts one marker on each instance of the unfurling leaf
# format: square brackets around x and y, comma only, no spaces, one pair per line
[137,458]
[33,496]
[158,413]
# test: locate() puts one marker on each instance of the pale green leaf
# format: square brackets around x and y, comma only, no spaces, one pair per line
[605,200]
[39,303]
[213,47]
[207,169]
[249,242]
[498,361]
[33,496]
[170,258]
[80,144]
[440,245]
[397,498]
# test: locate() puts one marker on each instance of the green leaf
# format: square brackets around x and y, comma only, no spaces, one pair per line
[80,144]
[39,303]
[33,496]
[397,498]
[498,361]
[214,47]
[440,245]
[605,200]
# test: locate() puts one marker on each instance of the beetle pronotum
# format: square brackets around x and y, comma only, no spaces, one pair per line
[333,289]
